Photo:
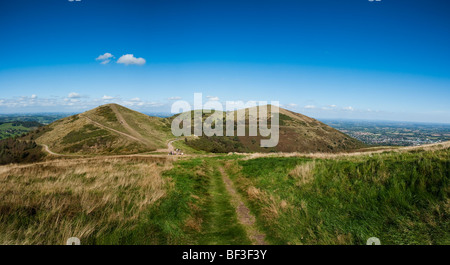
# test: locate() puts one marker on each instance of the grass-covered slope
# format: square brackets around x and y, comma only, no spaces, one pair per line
[401,198]
[131,200]
[108,129]
[297,133]
[51,202]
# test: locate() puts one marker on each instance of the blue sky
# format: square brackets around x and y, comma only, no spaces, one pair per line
[328,59]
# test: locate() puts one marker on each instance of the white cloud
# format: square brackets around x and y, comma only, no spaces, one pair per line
[332,106]
[74,95]
[310,107]
[135,99]
[33,96]
[128,59]
[174,98]
[350,108]
[105,58]
[292,105]
[213,98]
[105,97]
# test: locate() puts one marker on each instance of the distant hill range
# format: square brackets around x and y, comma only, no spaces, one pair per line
[114,129]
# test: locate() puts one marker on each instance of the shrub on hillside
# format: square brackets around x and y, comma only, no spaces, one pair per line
[19,151]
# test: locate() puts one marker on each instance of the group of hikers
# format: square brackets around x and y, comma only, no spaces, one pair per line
[176,152]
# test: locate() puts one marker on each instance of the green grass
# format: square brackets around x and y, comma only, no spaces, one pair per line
[399,198]
[181,144]
[88,131]
[217,144]
[196,210]
[107,113]
[221,224]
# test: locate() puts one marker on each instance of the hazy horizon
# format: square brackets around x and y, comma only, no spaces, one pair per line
[168,114]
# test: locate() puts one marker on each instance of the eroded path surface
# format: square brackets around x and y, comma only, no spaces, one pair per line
[112,130]
[170,147]
[46,149]
[127,127]
[245,217]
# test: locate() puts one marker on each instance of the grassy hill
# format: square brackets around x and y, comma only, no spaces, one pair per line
[298,133]
[108,129]
[114,129]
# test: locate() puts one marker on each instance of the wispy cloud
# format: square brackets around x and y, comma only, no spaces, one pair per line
[74,95]
[73,102]
[213,98]
[349,108]
[106,97]
[174,98]
[104,58]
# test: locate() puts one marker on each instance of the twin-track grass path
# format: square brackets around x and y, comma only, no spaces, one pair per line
[245,217]
[228,221]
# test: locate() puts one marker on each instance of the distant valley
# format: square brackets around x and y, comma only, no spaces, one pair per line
[393,132]
[390,133]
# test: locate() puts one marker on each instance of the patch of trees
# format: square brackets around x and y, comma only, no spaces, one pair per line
[19,151]
[27,124]
[215,144]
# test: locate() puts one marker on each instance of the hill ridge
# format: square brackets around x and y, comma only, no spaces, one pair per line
[115,129]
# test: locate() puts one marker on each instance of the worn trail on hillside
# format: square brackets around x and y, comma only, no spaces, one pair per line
[113,130]
[127,127]
[246,218]
[170,147]
[46,149]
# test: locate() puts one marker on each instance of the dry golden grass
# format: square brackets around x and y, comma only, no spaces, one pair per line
[358,154]
[273,205]
[303,173]
[47,203]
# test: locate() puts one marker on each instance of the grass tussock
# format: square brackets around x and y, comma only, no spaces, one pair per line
[48,203]
[304,173]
